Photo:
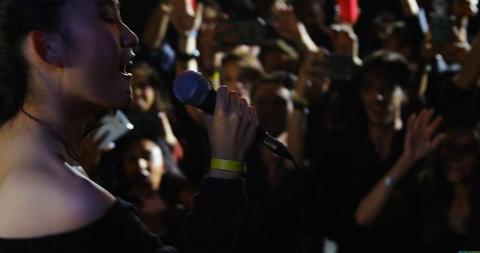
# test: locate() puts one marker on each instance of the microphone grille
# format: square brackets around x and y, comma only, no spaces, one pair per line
[191,87]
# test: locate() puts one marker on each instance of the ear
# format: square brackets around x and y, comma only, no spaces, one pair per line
[46,48]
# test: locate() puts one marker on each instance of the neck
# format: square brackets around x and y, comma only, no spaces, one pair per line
[67,121]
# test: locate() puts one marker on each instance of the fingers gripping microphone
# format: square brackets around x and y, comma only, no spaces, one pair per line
[193,89]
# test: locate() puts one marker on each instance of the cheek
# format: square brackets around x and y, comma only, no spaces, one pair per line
[94,50]
[91,41]
[365,97]
[156,169]
[137,93]
[150,95]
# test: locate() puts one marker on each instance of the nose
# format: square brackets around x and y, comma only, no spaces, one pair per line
[129,38]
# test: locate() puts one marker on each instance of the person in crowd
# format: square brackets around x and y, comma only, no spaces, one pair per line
[148,176]
[151,101]
[352,159]
[53,82]
[444,194]
[450,188]
[240,71]
[278,55]
[273,188]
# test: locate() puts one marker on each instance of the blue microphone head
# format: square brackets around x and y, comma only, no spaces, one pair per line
[191,88]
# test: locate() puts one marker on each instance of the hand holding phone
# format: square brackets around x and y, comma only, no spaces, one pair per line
[112,128]
[441,28]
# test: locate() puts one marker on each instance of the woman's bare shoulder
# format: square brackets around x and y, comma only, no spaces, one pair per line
[43,196]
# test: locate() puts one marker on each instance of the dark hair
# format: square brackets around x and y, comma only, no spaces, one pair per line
[162,99]
[278,46]
[388,62]
[17,18]
[406,38]
[280,78]
[147,129]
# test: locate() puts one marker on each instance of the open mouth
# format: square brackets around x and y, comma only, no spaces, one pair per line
[125,68]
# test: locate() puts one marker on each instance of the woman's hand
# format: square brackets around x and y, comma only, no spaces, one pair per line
[233,126]
[288,26]
[344,40]
[285,21]
[91,151]
[184,16]
[420,138]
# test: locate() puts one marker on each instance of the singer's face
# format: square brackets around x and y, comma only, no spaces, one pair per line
[376,95]
[98,46]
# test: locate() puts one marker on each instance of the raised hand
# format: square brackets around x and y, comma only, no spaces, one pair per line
[421,138]
[183,16]
[458,49]
[285,21]
[288,26]
[345,40]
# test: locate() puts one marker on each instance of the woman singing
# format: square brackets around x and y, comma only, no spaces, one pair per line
[61,63]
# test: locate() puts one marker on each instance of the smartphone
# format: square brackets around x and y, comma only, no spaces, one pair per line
[342,67]
[113,126]
[242,32]
[441,29]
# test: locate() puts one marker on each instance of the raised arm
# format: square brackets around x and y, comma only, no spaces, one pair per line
[211,225]
[420,140]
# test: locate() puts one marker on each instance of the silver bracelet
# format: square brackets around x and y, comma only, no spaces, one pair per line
[389,181]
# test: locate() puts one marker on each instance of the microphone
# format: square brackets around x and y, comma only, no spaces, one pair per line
[192,88]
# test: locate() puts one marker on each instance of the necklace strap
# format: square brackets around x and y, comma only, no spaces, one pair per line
[70,151]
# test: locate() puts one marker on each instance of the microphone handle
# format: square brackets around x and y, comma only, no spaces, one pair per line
[274,145]
[208,104]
